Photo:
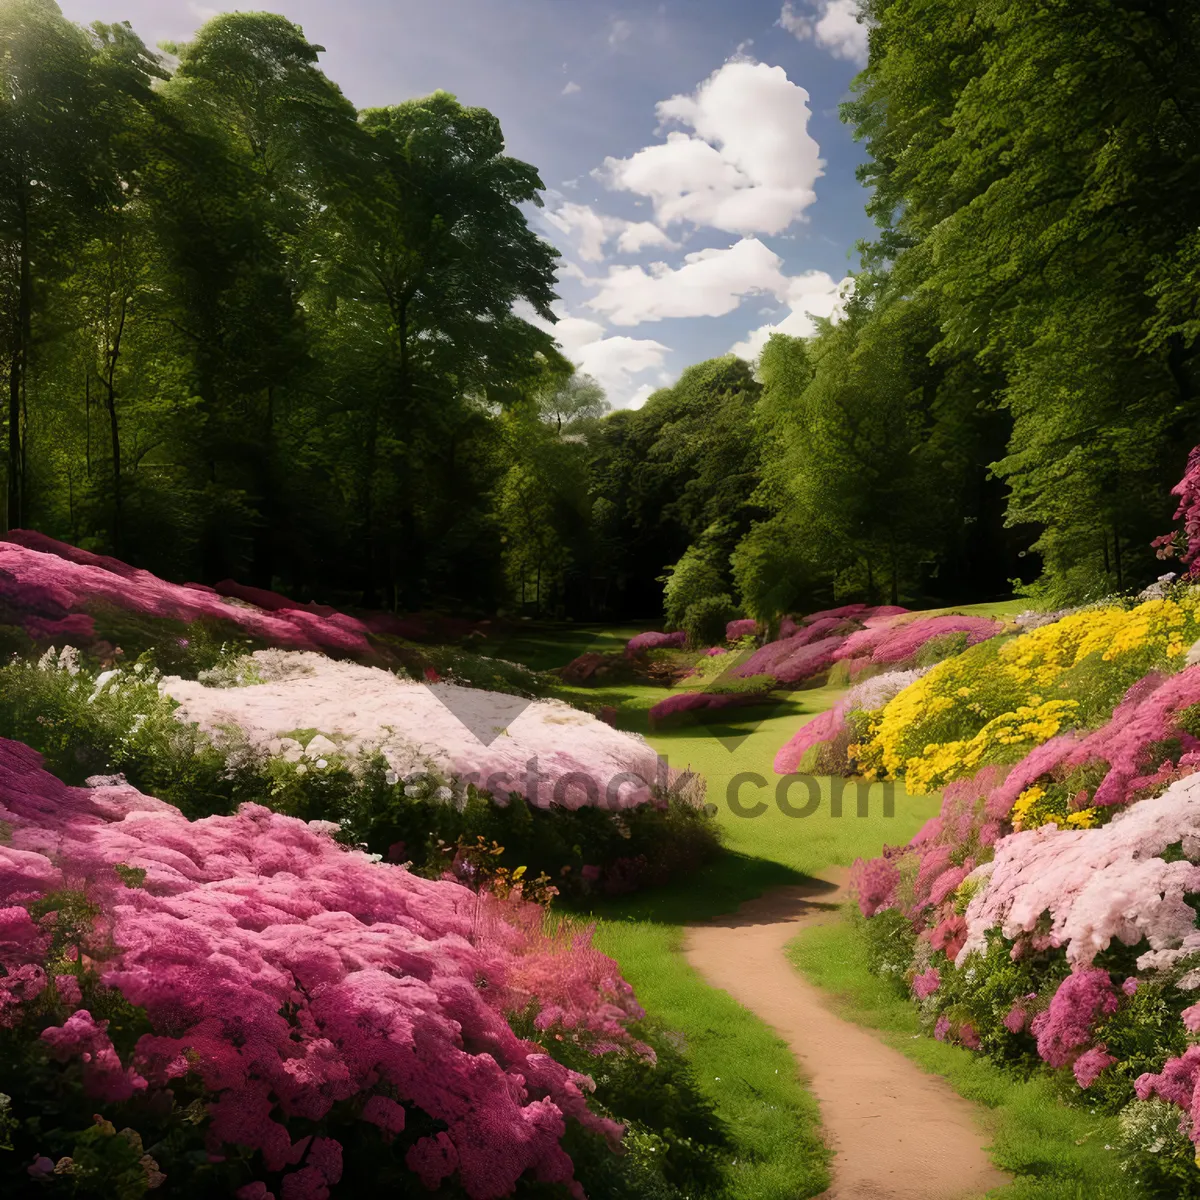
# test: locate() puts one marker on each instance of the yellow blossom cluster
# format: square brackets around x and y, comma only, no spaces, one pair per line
[1001,698]
[1026,726]
[1037,806]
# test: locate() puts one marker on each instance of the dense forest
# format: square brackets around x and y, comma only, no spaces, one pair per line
[248,331]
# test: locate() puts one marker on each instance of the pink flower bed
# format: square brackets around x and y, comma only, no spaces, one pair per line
[645,642]
[684,702]
[746,627]
[894,640]
[289,975]
[52,584]
[859,636]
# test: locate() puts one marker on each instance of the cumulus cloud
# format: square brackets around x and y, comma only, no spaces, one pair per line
[571,88]
[592,231]
[642,235]
[710,283]
[831,24]
[748,164]
[813,294]
[618,363]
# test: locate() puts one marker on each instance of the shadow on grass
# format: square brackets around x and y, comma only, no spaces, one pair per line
[717,889]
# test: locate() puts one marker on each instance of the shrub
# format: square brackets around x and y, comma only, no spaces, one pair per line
[645,642]
[706,620]
[696,577]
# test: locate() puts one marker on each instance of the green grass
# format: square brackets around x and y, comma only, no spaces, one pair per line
[994,608]
[1056,1150]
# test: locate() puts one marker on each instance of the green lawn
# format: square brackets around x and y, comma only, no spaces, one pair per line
[1056,1151]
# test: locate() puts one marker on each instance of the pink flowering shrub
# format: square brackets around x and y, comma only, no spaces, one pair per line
[900,640]
[282,978]
[43,581]
[645,642]
[743,627]
[707,702]
[1185,545]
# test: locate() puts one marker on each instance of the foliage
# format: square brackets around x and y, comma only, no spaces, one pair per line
[706,620]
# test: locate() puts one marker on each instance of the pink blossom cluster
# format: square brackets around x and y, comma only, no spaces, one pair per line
[1188,491]
[684,702]
[743,627]
[645,642]
[289,974]
[1098,885]
[57,588]
[898,640]
[860,636]
[1064,1029]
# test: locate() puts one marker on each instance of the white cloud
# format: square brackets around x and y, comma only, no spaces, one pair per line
[615,362]
[748,166]
[571,88]
[833,25]
[813,294]
[203,11]
[642,395]
[592,231]
[619,32]
[710,283]
[639,235]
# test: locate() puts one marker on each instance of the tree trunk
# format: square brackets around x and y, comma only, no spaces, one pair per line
[262,571]
[18,369]
[110,385]
[1117,556]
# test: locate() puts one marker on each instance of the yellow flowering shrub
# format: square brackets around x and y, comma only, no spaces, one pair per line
[996,701]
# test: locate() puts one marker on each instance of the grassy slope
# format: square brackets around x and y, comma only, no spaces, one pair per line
[748,1072]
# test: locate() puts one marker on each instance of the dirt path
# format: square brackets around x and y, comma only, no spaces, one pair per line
[897,1132]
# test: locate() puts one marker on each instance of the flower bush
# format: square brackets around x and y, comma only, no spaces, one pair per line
[732,693]
[53,590]
[997,700]
[857,640]
[822,744]
[645,642]
[250,1000]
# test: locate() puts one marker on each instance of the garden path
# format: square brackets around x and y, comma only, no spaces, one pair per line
[897,1133]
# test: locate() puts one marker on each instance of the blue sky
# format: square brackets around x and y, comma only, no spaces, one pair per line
[699,182]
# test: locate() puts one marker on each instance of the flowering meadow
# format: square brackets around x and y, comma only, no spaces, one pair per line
[413,769]
[1048,915]
[999,699]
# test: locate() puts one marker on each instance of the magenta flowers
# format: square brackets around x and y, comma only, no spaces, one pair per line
[287,974]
